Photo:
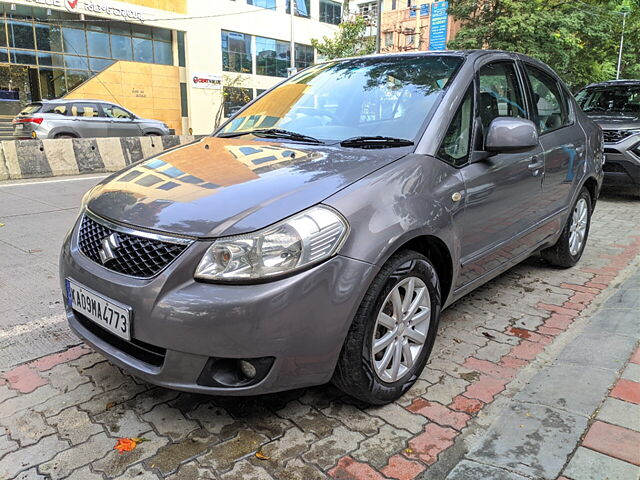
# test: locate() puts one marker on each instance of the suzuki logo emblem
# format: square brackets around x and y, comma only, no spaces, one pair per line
[109,246]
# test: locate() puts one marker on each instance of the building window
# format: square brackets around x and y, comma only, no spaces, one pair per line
[368,10]
[272,57]
[63,54]
[270,4]
[304,56]
[236,52]
[330,12]
[388,39]
[235,98]
[302,8]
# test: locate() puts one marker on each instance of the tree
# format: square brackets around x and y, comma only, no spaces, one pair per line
[231,89]
[349,41]
[578,39]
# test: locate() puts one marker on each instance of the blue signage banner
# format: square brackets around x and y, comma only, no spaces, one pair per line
[439,25]
[424,10]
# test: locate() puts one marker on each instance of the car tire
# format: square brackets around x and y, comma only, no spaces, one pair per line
[565,253]
[362,373]
[64,135]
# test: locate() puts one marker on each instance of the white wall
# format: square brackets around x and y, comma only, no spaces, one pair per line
[204,50]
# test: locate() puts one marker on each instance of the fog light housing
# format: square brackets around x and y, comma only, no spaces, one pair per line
[248,370]
[233,372]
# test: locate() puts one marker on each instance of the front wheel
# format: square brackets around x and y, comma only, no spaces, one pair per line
[569,247]
[393,332]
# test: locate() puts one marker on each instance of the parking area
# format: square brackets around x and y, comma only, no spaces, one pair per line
[514,357]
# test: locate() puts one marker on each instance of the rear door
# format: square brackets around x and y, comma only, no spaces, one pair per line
[563,140]
[121,122]
[504,190]
[87,120]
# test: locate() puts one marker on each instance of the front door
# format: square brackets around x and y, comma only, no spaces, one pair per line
[504,190]
[121,122]
[87,121]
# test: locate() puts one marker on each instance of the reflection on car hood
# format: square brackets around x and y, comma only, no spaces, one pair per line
[227,186]
[615,121]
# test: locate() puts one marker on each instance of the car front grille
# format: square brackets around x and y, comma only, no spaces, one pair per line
[615,136]
[136,254]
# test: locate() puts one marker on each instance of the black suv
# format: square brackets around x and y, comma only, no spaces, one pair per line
[615,106]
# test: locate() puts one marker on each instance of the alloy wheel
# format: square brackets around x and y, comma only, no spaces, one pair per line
[578,228]
[401,329]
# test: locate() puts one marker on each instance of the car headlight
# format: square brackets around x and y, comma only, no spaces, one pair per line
[295,243]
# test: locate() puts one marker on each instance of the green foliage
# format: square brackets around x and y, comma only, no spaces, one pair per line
[349,41]
[579,39]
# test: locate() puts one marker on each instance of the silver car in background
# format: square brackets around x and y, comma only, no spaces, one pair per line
[82,119]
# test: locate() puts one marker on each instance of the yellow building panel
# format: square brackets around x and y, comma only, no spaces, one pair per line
[135,67]
[147,91]
[164,81]
[175,6]
[164,71]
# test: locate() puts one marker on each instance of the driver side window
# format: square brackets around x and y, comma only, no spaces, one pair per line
[113,111]
[500,93]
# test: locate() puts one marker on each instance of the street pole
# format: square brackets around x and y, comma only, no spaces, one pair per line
[292,47]
[378,25]
[624,21]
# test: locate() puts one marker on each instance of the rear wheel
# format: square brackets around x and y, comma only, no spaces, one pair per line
[65,135]
[393,332]
[569,247]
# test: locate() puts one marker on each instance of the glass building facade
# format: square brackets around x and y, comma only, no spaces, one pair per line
[46,53]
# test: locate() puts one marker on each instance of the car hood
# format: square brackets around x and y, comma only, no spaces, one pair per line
[228,186]
[615,121]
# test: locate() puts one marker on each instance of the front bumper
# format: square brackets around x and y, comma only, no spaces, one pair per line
[301,321]
[622,165]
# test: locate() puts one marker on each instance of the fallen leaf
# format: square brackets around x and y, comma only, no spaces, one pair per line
[261,456]
[488,335]
[1,224]
[408,450]
[128,444]
[110,405]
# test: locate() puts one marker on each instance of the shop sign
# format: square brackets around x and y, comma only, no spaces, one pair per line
[206,80]
[89,6]
[439,24]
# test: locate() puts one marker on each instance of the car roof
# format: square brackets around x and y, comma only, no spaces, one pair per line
[615,83]
[73,100]
[467,54]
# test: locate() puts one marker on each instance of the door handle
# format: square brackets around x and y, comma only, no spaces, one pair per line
[536,163]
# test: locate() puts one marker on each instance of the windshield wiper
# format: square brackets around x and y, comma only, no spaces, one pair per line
[273,133]
[376,142]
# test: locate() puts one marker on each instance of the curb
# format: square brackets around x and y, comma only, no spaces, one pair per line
[22,159]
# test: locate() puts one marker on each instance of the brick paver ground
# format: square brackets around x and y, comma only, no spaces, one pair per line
[61,415]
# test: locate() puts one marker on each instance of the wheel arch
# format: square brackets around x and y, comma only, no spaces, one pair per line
[438,253]
[591,184]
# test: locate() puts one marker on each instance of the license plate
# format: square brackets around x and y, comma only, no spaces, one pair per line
[19,126]
[110,315]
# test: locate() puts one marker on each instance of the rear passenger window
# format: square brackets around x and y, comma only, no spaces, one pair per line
[500,93]
[89,110]
[549,108]
[59,109]
[456,144]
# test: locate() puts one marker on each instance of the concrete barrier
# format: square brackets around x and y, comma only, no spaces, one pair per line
[48,158]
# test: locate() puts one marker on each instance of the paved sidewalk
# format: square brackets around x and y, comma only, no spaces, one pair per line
[588,389]
[530,378]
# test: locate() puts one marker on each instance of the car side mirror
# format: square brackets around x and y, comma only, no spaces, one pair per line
[509,134]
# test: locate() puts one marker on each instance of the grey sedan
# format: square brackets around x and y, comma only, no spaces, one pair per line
[82,119]
[320,232]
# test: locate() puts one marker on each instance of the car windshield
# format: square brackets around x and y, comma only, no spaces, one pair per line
[389,97]
[610,99]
